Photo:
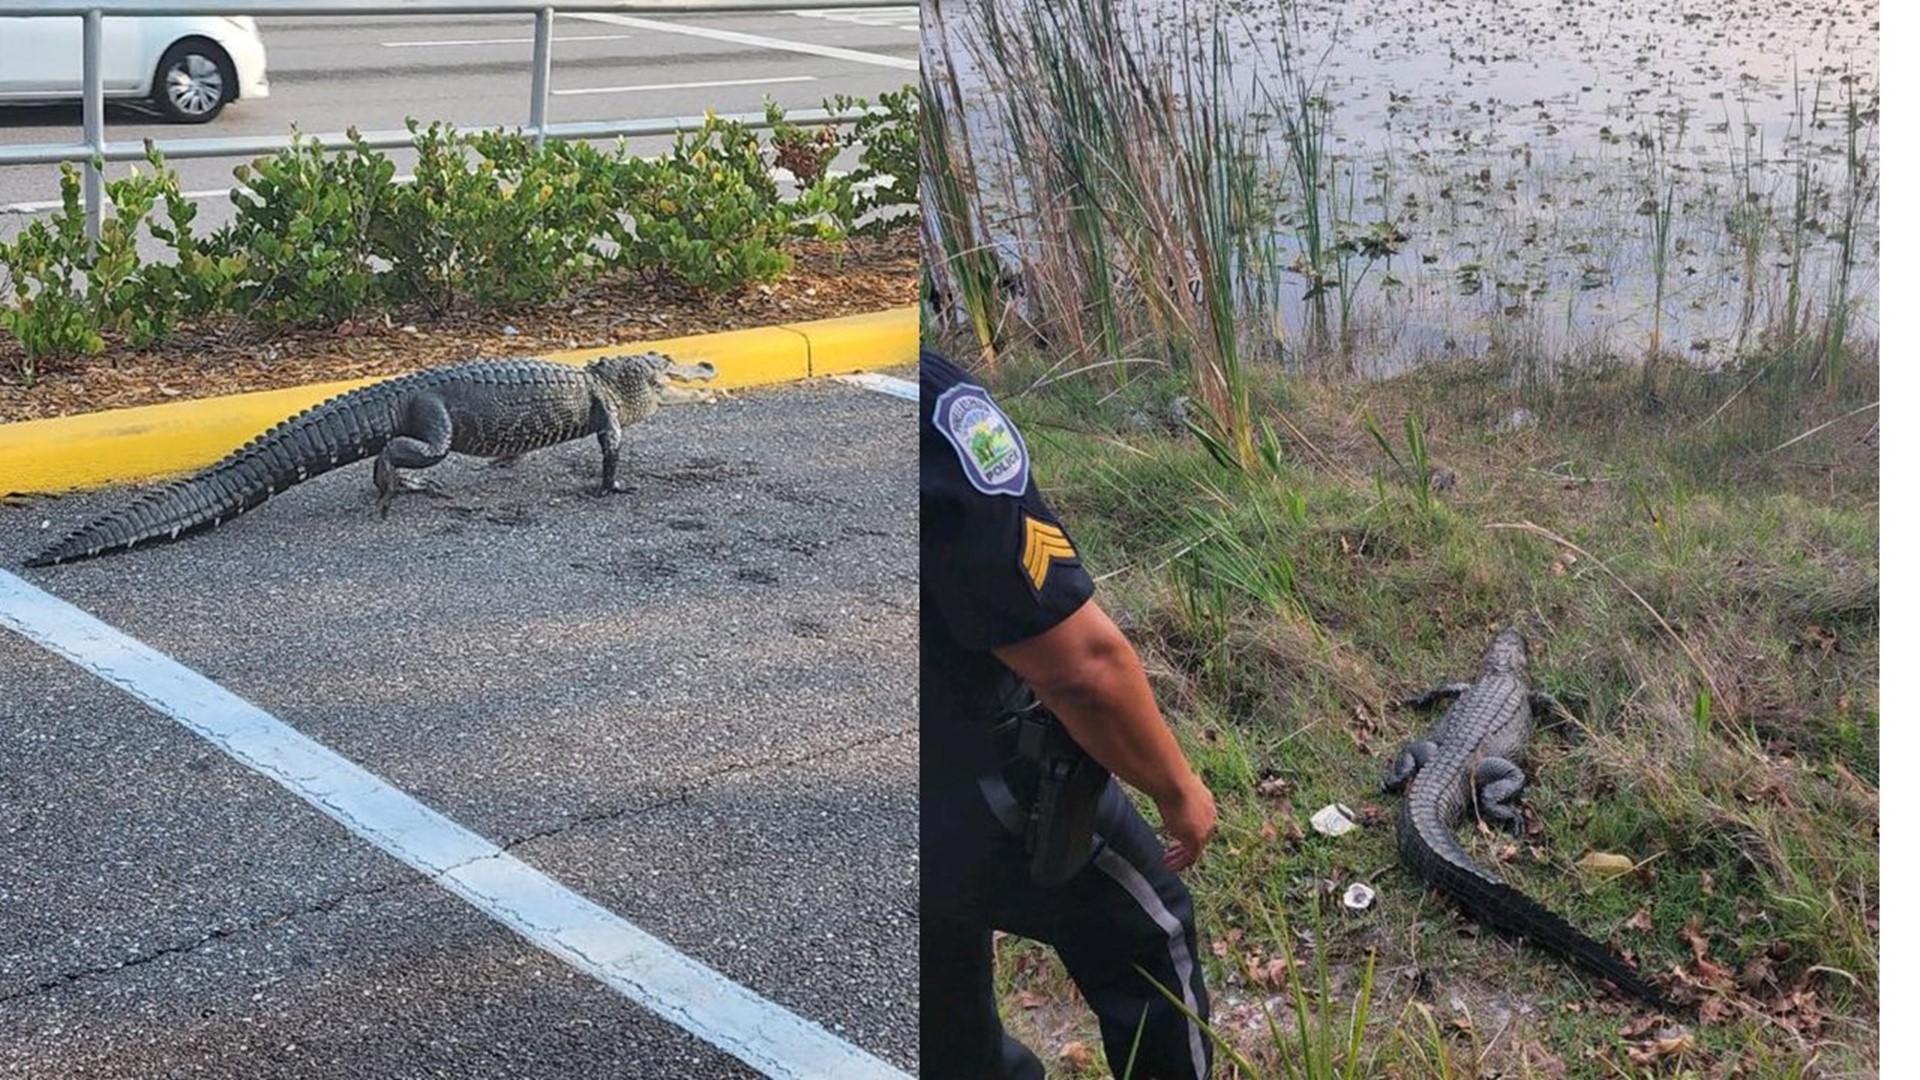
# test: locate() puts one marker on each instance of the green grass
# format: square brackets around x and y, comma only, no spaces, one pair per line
[1717,645]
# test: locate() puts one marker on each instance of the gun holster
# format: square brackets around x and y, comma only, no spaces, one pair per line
[1065,785]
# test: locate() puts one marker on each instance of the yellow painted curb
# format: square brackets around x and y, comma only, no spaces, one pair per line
[127,445]
[852,344]
[771,354]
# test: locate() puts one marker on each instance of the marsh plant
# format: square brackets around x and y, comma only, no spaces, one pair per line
[1113,181]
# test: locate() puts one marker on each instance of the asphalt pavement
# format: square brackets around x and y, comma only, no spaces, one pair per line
[329,74]
[692,703]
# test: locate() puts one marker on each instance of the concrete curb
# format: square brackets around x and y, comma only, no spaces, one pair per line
[126,445]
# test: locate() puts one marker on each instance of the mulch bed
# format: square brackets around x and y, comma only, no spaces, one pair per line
[827,280]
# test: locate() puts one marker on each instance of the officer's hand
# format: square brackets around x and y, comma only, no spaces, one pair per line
[1189,819]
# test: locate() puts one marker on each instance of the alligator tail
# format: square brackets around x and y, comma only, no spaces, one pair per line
[336,432]
[1505,908]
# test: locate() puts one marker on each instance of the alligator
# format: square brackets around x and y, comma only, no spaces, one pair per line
[485,408]
[1471,754]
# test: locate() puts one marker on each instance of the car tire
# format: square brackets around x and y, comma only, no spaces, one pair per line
[194,81]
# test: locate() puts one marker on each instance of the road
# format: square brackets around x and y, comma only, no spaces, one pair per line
[374,73]
[693,704]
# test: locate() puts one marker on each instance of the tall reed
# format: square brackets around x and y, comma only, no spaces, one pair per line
[1142,202]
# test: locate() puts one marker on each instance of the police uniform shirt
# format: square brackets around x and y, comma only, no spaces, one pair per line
[996,567]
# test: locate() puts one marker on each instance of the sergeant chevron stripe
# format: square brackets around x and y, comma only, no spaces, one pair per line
[1045,543]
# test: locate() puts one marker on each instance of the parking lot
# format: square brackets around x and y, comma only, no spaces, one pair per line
[691,705]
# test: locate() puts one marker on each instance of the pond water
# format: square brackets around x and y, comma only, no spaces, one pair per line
[1539,157]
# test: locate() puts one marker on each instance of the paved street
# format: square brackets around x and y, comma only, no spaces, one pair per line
[374,73]
[693,704]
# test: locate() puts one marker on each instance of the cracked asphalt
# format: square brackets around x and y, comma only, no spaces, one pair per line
[693,703]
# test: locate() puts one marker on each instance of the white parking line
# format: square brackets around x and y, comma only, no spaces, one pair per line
[883,384]
[758,40]
[887,18]
[499,41]
[685,85]
[55,204]
[581,933]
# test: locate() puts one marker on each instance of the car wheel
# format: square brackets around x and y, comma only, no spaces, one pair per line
[194,81]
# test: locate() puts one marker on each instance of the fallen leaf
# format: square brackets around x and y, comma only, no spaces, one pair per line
[1757,973]
[1640,1025]
[1271,974]
[1077,1055]
[1541,1062]
[1639,920]
[1715,1009]
[1029,999]
[1668,1043]
[1695,940]
[1605,863]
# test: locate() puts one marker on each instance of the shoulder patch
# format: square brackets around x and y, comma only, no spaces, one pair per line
[992,453]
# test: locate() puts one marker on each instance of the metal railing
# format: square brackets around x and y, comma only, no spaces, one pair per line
[93,150]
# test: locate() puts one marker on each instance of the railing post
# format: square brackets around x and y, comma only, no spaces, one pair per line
[542,67]
[93,118]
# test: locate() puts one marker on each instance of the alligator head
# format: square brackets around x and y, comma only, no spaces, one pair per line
[638,376]
[1507,655]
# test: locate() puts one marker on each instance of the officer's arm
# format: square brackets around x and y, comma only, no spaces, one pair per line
[1086,671]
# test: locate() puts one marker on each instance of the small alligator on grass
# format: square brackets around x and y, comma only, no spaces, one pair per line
[1471,753]
[486,408]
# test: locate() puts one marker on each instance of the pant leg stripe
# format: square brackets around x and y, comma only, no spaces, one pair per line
[1128,877]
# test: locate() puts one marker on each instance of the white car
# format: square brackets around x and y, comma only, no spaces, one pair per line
[188,67]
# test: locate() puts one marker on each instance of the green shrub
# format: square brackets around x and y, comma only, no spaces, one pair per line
[825,206]
[707,213]
[49,315]
[490,219]
[69,293]
[303,225]
[886,181]
[205,271]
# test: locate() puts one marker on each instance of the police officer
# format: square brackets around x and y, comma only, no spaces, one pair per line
[1022,830]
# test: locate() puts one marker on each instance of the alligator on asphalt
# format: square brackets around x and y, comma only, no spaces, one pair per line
[484,408]
[1468,762]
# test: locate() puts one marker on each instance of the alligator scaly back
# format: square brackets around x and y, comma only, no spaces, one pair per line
[336,432]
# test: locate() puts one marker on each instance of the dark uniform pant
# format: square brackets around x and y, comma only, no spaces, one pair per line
[1125,909]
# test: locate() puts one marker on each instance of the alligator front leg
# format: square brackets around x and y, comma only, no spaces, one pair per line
[1411,759]
[1548,710]
[1497,783]
[607,427]
[1443,692]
